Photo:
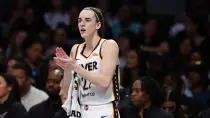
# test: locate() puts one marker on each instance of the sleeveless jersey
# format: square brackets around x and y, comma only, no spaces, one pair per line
[89,93]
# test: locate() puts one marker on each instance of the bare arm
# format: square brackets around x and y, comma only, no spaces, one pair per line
[109,52]
[67,70]
[163,47]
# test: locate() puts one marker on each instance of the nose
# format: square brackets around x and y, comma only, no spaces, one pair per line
[82,23]
[133,93]
[61,92]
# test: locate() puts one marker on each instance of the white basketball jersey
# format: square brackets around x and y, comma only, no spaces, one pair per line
[91,94]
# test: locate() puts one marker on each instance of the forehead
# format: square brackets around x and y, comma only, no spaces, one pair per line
[11,62]
[2,80]
[87,14]
[137,84]
[19,72]
[53,77]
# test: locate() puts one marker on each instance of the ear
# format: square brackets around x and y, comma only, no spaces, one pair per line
[98,25]
[9,88]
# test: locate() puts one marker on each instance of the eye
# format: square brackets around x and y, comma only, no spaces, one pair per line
[79,20]
[88,20]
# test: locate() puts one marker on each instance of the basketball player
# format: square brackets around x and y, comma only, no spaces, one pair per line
[96,63]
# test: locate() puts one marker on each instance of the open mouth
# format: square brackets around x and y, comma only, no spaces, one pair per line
[82,31]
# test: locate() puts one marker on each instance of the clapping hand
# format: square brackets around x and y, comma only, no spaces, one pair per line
[63,60]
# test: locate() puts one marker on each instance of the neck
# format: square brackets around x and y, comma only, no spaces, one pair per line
[91,42]
[25,91]
[145,106]
[4,98]
[197,89]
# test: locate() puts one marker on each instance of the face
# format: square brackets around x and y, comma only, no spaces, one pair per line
[52,65]
[62,94]
[9,65]
[123,44]
[34,52]
[87,23]
[29,16]
[124,13]
[74,13]
[60,36]
[4,88]
[23,80]
[138,96]
[195,56]
[53,83]
[56,4]
[168,83]
[194,78]
[169,106]
[20,37]
[186,46]
[190,28]
[150,28]
[132,59]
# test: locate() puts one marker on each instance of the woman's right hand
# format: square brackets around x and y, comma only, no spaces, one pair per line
[60,54]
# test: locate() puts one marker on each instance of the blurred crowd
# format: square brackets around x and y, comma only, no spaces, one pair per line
[170,46]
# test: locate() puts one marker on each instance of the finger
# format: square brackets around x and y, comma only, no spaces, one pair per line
[57,54]
[62,52]
[57,50]
[60,65]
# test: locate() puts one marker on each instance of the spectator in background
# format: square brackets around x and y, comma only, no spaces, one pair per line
[198,78]
[17,11]
[45,36]
[132,71]
[196,32]
[147,97]
[205,113]
[10,63]
[33,52]
[10,105]
[28,21]
[178,100]
[60,39]
[124,42]
[30,95]
[123,22]
[61,113]
[16,42]
[2,60]
[56,15]
[181,56]
[179,25]
[149,41]
[47,108]
[72,28]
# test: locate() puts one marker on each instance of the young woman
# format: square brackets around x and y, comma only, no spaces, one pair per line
[96,64]
[10,106]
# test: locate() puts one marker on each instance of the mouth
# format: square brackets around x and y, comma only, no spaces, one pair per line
[133,99]
[82,31]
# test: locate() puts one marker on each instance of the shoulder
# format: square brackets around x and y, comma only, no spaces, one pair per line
[129,112]
[74,48]
[161,112]
[17,110]
[38,93]
[18,106]
[110,42]
[110,45]
[41,105]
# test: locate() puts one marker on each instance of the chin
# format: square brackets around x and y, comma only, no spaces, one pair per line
[83,36]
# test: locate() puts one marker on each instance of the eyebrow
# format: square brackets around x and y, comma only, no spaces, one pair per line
[85,18]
